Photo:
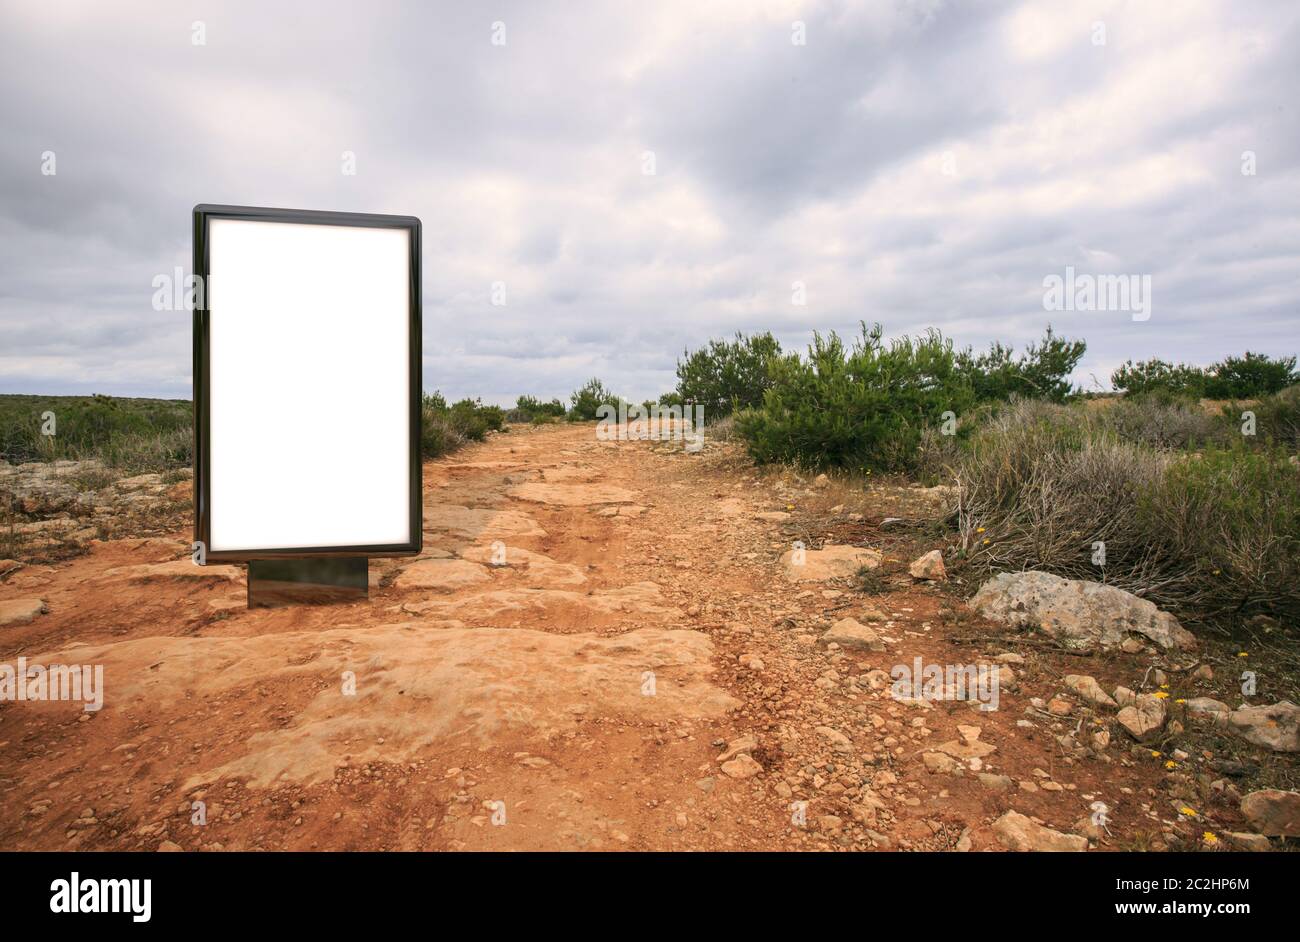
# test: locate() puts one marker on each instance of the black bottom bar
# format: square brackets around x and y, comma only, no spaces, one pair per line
[275,582]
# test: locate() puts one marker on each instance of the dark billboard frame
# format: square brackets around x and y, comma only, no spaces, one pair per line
[204,213]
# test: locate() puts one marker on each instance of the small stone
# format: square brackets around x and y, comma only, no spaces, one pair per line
[1088,688]
[851,634]
[741,767]
[1144,719]
[1015,831]
[1059,706]
[929,567]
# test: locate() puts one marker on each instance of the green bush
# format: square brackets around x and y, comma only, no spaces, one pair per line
[1250,376]
[1245,377]
[444,428]
[585,401]
[860,408]
[1041,372]
[1156,377]
[727,375]
[531,409]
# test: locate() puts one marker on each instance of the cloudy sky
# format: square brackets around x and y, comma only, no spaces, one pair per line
[920,163]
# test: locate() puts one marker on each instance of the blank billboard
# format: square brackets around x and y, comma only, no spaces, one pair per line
[307,383]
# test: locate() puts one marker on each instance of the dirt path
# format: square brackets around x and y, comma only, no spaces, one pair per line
[592,626]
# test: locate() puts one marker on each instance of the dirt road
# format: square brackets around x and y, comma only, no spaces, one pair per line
[603,645]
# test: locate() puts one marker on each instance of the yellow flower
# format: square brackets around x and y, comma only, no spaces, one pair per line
[1209,838]
[1242,654]
[1164,686]
[1181,700]
[1190,812]
[1154,754]
[1171,764]
[979,530]
[1216,572]
[1161,695]
[986,542]
[789,506]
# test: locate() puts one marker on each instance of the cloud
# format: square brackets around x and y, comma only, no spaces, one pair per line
[920,164]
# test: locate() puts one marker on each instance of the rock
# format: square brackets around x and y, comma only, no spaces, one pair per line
[1273,812]
[745,744]
[966,750]
[996,783]
[1060,706]
[1207,709]
[1144,719]
[441,575]
[9,565]
[1123,696]
[839,742]
[20,611]
[1088,688]
[930,566]
[741,767]
[773,516]
[1017,832]
[168,847]
[1275,727]
[937,763]
[1203,672]
[829,562]
[1254,842]
[1080,616]
[852,634]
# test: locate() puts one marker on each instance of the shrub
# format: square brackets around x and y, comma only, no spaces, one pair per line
[727,375]
[531,409]
[1277,419]
[591,396]
[444,428]
[1157,377]
[1164,423]
[1041,372]
[862,408]
[437,436]
[1250,376]
[1208,537]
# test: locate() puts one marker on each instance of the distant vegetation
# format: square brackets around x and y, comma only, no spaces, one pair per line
[529,409]
[444,428]
[133,435]
[1245,377]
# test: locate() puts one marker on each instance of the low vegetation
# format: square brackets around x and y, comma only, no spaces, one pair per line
[1211,535]
[444,428]
[130,435]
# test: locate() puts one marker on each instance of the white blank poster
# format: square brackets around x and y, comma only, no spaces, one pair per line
[309,391]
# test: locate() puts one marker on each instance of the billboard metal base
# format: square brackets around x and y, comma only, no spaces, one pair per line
[324,581]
